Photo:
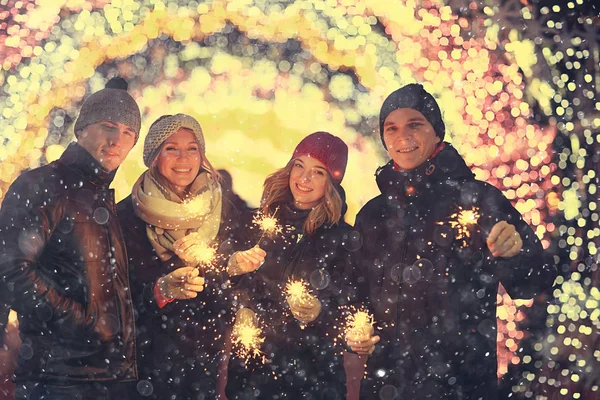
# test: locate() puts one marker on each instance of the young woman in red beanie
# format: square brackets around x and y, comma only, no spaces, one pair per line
[309,202]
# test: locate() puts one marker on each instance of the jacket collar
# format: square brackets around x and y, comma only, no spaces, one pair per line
[80,160]
[444,167]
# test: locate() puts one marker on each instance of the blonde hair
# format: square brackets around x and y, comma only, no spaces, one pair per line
[277,190]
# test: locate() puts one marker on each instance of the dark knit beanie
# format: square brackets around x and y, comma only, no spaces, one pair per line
[112,103]
[415,97]
[328,149]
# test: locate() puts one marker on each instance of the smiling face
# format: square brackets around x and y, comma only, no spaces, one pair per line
[409,137]
[308,180]
[179,160]
[108,142]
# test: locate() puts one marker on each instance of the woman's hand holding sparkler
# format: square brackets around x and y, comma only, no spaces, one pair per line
[362,344]
[303,303]
[181,284]
[504,240]
[305,311]
[243,262]
[192,250]
[359,331]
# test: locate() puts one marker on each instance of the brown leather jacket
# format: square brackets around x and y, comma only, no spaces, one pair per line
[64,264]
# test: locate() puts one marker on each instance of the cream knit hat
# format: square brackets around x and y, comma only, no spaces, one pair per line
[163,128]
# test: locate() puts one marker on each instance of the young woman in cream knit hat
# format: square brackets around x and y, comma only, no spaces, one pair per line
[175,213]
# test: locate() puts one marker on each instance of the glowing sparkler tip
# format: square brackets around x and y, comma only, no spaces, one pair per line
[247,336]
[359,324]
[268,224]
[298,291]
[462,220]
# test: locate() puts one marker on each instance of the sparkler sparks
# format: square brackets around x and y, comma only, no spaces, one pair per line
[247,336]
[358,325]
[204,255]
[268,224]
[195,207]
[298,291]
[462,222]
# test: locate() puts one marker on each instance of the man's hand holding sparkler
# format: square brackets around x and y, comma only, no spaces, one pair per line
[181,284]
[504,240]
[243,262]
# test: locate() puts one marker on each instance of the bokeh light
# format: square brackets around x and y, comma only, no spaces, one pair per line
[517,83]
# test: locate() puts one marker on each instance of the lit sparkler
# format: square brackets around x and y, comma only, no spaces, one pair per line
[247,336]
[298,292]
[268,224]
[462,221]
[195,207]
[359,325]
[204,255]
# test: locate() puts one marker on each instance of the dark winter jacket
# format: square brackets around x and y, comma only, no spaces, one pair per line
[65,267]
[4,314]
[301,362]
[179,345]
[433,294]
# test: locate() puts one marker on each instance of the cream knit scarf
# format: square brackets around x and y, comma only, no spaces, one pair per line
[169,217]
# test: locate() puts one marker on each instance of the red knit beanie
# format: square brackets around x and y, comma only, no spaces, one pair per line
[328,149]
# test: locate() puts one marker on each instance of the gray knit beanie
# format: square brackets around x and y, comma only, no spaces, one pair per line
[416,97]
[112,103]
[163,128]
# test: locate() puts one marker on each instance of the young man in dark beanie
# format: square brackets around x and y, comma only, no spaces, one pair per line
[64,262]
[430,277]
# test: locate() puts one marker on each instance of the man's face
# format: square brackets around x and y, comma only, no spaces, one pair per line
[108,142]
[409,137]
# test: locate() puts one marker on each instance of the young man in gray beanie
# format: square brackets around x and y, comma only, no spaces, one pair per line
[439,243]
[64,263]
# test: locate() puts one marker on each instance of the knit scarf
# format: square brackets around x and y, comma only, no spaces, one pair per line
[170,217]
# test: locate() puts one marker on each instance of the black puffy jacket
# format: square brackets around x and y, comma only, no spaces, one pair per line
[433,293]
[65,268]
[302,362]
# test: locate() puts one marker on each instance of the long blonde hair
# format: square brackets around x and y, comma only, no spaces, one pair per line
[276,190]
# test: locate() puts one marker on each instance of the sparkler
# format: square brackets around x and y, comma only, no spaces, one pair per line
[298,291]
[268,224]
[462,220]
[359,325]
[247,336]
[204,256]
[195,207]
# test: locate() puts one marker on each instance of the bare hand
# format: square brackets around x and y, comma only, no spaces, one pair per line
[183,247]
[243,262]
[245,317]
[183,283]
[305,312]
[504,240]
[363,345]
